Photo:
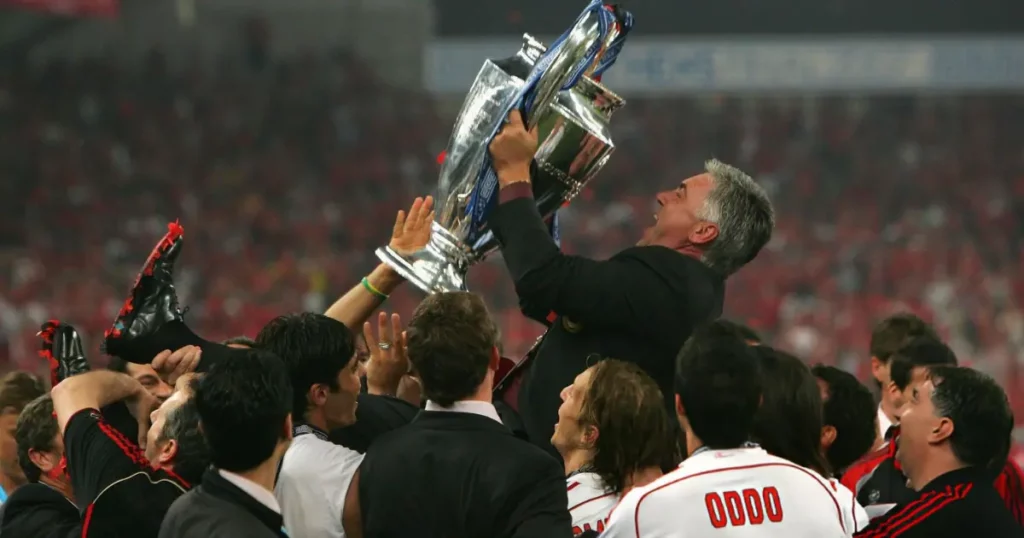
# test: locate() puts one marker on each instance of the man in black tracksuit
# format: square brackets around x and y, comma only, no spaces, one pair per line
[954,436]
[639,306]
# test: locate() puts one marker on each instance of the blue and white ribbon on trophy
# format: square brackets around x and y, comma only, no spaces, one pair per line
[484,196]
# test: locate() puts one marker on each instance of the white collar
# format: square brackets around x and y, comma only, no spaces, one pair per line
[252,489]
[883,422]
[475,407]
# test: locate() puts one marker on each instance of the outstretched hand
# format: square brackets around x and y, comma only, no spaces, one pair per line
[388,361]
[412,231]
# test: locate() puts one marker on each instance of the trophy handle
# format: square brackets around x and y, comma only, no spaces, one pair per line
[582,36]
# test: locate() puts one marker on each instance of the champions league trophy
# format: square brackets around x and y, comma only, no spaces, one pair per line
[557,92]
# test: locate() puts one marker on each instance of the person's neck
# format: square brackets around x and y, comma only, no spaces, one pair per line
[693,443]
[933,467]
[642,477]
[9,484]
[689,250]
[889,408]
[266,473]
[315,417]
[61,486]
[575,459]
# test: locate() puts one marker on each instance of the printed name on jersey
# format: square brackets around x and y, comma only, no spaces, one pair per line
[747,507]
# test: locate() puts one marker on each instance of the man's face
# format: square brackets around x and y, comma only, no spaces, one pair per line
[920,428]
[340,408]
[676,223]
[147,376]
[161,451]
[9,447]
[918,375]
[569,434]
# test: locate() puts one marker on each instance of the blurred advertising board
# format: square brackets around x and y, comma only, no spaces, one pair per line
[97,8]
[667,66]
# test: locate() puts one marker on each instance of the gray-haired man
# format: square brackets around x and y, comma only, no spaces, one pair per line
[642,304]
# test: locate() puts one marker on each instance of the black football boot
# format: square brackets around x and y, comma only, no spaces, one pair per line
[152,304]
[62,348]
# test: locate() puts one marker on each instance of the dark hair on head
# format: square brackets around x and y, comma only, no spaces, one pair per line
[242,340]
[244,402]
[981,415]
[450,340]
[895,331]
[718,382]
[17,389]
[315,348]
[744,332]
[182,425]
[36,430]
[789,422]
[923,352]
[633,428]
[850,409]
[117,364]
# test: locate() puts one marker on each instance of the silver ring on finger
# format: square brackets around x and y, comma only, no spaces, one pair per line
[384,345]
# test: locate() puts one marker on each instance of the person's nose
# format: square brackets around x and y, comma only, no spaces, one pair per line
[163,391]
[564,394]
[662,198]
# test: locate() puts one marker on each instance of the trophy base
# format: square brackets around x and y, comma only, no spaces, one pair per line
[439,267]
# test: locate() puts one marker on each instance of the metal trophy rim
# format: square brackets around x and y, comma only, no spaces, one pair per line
[441,241]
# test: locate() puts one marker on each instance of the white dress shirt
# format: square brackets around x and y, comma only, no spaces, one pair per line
[252,489]
[883,423]
[475,407]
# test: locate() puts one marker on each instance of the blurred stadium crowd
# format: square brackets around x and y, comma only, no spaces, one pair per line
[287,178]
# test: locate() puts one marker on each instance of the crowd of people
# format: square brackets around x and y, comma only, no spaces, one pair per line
[886,203]
[641,411]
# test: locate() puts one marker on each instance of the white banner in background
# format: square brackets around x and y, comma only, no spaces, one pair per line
[672,66]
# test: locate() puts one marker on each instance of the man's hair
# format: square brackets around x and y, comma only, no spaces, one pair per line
[17,389]
[36,430]
[628,410]
[923,352]
[450,340]
[243,404]
[981,415]
[895,331]
[314,347]
[718,382]
[240,341]
[788,423]
[182,425]
[741,330]
[850,409]
[117,364]
[744,216]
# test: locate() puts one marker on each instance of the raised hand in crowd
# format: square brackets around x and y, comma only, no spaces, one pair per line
[171,366]
[388,366]
[410,234]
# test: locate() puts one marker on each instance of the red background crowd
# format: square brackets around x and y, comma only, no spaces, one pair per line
[287,178]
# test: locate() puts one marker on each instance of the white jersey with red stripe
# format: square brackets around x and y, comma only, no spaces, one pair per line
[589,503]
[736,493]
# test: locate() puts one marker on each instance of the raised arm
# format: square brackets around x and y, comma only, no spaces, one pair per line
[411,233]
[98,389]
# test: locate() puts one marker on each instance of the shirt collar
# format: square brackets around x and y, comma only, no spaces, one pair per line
[252,489]
[883,422]
[475,407]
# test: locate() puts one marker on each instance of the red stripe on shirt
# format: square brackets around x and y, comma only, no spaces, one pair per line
[592,499]
[571,486]
[915,512]
[86,521]
[862,468]
[131,450]
[636,511]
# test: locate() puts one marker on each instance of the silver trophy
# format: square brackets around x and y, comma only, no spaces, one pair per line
[574,144]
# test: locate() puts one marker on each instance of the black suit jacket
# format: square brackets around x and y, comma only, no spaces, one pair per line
[219,509]
[39,511]
[639,306]
[458,474]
